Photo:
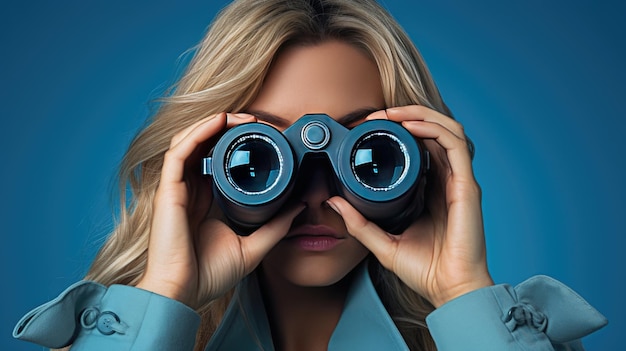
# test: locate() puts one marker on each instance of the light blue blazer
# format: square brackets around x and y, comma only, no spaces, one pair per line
[539,314]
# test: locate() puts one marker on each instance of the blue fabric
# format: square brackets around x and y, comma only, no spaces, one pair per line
[365,321]
[539,314]
[364,324]
[54,323]
[149,321]
[245,325]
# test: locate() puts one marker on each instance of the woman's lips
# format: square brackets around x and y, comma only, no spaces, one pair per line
[317,238]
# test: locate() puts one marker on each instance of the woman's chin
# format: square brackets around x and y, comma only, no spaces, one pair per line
[310,271]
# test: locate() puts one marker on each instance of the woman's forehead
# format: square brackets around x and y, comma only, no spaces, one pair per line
[331,77]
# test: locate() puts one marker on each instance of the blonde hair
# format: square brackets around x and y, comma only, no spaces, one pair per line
[225,74]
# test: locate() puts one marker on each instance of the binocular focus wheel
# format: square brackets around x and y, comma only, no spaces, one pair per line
[315,135]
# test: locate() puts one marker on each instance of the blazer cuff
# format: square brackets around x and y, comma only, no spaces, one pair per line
[89,316]
[535,315]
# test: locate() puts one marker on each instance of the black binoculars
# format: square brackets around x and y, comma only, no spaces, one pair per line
[378,166]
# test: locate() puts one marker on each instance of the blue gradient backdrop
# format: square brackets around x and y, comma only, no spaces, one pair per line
[539,86]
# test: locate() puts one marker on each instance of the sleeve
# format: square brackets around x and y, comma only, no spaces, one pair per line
[90,316]
[539,314]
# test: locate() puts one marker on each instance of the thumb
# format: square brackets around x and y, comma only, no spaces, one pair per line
[259,243]
[379,242]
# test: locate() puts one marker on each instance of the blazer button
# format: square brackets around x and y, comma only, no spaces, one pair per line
[106,322]
[89,317]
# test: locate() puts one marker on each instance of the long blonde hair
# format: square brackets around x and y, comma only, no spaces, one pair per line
[225,74]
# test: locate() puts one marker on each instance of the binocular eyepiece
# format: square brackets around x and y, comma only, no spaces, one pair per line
[378,166]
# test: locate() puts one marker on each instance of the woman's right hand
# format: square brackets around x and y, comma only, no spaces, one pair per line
[192,258]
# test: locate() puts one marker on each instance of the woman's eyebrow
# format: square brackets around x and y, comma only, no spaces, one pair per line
[270,118]
[345,120]
[356,115]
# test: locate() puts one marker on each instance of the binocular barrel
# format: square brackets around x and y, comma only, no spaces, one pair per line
[378,166]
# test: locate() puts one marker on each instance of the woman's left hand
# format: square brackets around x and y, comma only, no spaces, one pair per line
[442,254]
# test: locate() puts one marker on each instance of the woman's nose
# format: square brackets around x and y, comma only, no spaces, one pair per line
[317,185]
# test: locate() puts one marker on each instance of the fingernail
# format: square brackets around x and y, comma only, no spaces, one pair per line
[380,114]
[243,115]
[333,206]
[391,110]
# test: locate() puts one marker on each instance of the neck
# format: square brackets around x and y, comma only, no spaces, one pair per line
[302,318]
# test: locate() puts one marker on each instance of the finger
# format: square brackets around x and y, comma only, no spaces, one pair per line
[423,113]
[175,157]
[380,114]
[202,150]
[457,152]
[233,119]
[258,244]
[379,242]
[183,133]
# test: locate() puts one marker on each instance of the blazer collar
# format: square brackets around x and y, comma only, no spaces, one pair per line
[364,323]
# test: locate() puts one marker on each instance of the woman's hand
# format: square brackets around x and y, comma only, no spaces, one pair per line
[192,258]
[442,254]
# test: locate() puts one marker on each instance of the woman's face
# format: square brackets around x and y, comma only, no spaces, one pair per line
[339,80]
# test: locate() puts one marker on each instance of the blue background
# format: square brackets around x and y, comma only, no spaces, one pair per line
[538,86]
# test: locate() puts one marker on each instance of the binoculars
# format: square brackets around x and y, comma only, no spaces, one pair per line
[378,166]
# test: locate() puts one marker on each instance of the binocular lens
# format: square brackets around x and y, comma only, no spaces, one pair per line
[379,161]
[254,164]
[378,166]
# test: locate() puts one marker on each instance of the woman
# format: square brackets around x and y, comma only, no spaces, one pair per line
[318,275]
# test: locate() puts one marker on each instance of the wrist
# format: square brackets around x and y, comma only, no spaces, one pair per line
[458,290]
[169,290]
